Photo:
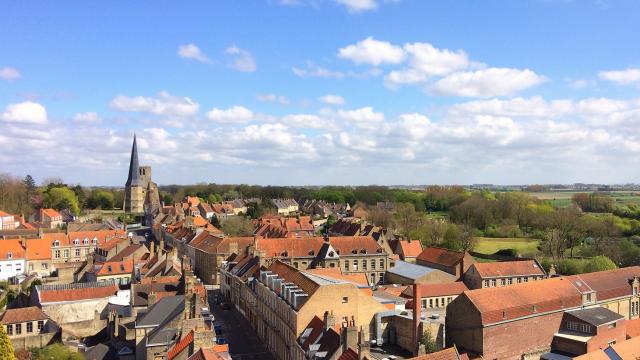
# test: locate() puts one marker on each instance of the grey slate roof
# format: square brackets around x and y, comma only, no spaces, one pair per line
[162,337]
[163,311]
[413,271]
[596,316]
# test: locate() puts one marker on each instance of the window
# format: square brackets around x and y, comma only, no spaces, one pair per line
[355,265]
[44,266]
[18,329]
[519,280]
[295,264]
[381,264]
[76,242]
[9,330]
[40,325]
[430,303]
[424,303]
[31,267]
[589,297]
[502,282]
[509,281]
[526,279]
[373,264]
[77,252]
[66,254]
[381,278]
[364,264]
[345,299]
[29,327]
[56,243]
[57,254]
[9,255]
[95,241]
[346,265]
[493,282]
[612,342]
[373,278]
[85,241]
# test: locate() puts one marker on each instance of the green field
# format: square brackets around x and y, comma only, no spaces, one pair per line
[492,245]
[563,198]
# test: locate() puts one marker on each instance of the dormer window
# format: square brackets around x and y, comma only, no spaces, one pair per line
[363,251]
[311,252]
[56,243]
[109,269]
[76,242]
[331,254]
[9,255]
[354,251]
[85,242]
[95,241]
[121,267]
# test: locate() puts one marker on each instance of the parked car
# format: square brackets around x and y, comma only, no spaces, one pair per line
[225,306]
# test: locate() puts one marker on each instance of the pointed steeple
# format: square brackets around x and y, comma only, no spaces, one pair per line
[134,168]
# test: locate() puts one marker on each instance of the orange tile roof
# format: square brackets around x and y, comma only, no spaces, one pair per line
[346,245]
[76,294]
[628,349]
[115,268]
[446,354]
[12,316]
[431,290]
[216,244]
[101,235]
[410,248]
[289,247]
[291,274]
[608,284]
[180,345]
[441,256]
[12,246]
[508,268]
[393,290]
[62,238]
[38,249]
[51,213]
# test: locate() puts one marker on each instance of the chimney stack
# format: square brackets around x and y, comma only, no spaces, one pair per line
[329,320]
[417,313]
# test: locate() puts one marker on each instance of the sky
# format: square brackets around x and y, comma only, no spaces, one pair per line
[321,92]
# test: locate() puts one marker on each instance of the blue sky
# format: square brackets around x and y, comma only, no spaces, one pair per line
[322,92]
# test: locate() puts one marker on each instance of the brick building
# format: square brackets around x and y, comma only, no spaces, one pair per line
[503,273]
[585,330]
[521,320]
[454,262]
[28,327]
[210,251]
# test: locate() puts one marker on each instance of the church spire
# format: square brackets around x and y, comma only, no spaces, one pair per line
[134,168]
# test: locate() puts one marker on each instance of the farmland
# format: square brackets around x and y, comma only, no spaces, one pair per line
[522,246]
[563,198]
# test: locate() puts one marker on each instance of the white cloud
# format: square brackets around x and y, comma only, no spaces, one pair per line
[534,107]
[305,121]
[9,73]
[312,70]
[373,52]
[487,82]
[242,59]
[621,77]
[357,6]
[331,99]
[427,61]
[86,117]
[191,51]
[235,114]
[273,98]
[164,104]
[26,112]
[364,117]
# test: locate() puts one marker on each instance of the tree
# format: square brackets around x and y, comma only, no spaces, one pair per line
[237,226]
[101,199]
[427,340]
[61,198]
[599,263]
[6,348]
[406,218]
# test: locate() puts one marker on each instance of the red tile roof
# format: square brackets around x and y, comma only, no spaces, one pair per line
[12,316]
[410,248]
[518,300]
[291,274]
[289,247]
[38,249]
[116,268]
[431,290]
[509,268]
[50,213]
[633,328]
[446,354]
[180,346]
[346,245]
[441,256]
[48,295]
[349,354]
[11,246]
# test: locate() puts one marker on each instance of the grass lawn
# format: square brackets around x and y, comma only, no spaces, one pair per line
[492,245]
[437,215]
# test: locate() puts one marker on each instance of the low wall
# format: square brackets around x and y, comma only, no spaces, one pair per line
[35,341]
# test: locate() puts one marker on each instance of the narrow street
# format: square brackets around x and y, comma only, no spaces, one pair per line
[243,341]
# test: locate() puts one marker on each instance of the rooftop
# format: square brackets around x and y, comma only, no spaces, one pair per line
[413,271]
[596,316]
[509,268]
[12,316]
[441,256]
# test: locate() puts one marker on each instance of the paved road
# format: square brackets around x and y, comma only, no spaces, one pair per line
[243,341]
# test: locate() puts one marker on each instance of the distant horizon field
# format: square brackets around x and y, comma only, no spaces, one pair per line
[488,246]
[563,198]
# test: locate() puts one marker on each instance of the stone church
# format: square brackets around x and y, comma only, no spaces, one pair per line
[141,195]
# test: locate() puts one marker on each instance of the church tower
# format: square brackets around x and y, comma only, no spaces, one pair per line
[134,188]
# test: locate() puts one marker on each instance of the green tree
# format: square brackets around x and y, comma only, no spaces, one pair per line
[428,341]
[55,351]
[599,263]
[101,199]
[237,226]
[61,198]
[6,348]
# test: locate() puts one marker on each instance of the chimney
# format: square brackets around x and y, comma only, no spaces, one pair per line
[329,320]
[160,247]
[349,338]
[152,248]
[363,346]
[417,313]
